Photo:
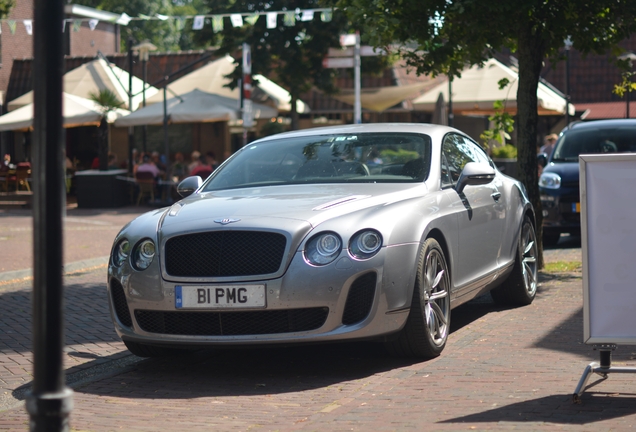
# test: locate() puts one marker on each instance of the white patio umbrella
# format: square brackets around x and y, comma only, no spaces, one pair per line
[477,89]
[211,79]
[193,107]
[93,77]
[77,111]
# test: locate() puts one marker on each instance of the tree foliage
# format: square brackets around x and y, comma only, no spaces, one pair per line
[444,36]
[5,7]
[290,54]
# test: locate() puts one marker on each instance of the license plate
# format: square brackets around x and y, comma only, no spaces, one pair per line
[219,296]
[576,207]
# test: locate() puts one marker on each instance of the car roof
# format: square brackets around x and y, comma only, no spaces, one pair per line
[607,123]
[422,128]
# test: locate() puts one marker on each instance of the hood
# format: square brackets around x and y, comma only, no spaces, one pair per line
[283,206]
[568,171]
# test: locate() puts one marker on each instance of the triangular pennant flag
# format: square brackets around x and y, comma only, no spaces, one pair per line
[237,20]
[217,23]
[325,16]
[198,22]
[290,19]
[271,19]
[162,17]
[92,24]
[307,15]
[76,25]
[28,26]
[123,19]
[251,20]
[12,26]
[144,17]
[180,22]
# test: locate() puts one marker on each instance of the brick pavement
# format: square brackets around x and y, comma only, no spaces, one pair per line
[503,369]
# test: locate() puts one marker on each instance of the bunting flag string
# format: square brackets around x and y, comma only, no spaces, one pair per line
[198,21]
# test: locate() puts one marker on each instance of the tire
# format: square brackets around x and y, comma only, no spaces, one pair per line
[426,330]
[143,350]
[520,288]
[551,238]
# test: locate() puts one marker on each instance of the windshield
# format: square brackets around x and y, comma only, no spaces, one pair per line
[346,158]
[586,141]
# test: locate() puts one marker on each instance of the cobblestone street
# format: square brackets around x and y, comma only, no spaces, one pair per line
[502,369]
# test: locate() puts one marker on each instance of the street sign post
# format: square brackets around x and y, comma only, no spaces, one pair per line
[349,57]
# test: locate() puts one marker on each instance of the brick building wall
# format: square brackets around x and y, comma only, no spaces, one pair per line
[17,45]
[592,78]
[86,42]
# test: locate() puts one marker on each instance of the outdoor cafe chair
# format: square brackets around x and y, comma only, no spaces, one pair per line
[146,184]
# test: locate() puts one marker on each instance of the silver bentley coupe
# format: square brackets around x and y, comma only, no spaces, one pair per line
[373,232]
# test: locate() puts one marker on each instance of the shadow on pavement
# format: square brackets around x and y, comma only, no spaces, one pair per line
[87,317]
[559,409]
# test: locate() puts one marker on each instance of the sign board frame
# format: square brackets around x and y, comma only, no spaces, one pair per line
[608,199]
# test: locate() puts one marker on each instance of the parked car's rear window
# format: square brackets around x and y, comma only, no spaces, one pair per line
[345,158]
[592,141]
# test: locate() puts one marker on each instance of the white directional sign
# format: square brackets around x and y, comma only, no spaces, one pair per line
[337,62]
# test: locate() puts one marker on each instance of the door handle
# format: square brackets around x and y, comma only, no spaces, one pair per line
[496,195]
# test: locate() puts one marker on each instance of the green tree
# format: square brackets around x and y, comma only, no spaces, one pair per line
[290,54]
[5,7]
[444,36]
[108,101]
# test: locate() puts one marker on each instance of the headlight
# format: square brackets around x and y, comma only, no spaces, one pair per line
[365,244]
[550,180]
[120,253]
[143,254]
[323,248]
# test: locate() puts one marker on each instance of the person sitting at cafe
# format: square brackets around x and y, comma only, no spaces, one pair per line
[112,161]
[148,166]
[202,170]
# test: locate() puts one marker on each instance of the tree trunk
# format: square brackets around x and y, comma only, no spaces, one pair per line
[102,145]
[531,51]
[294,112]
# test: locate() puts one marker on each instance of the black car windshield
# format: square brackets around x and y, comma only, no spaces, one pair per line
[592,141]
[341,158]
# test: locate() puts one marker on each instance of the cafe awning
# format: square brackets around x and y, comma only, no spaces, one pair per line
[477,89]
[211,78]
[380,98]
[93,77]
[77,111]
[193,107]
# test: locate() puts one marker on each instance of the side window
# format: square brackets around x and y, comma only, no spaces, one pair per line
[456,155]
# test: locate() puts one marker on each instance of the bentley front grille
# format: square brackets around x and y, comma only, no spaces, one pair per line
[225,253]
[119,303]
[231,323]
[359,299]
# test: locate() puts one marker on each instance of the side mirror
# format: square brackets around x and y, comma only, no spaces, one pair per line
[189,185]
[475,174]
[542,159]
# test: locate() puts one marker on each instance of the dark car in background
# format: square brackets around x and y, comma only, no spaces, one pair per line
[559,181]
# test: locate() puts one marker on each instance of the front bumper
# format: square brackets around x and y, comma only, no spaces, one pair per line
[347,299]
[561,211]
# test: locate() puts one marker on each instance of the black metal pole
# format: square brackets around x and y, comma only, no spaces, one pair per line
[166,145]
[567,86]
[143,102]
[450,101]
[627,100]
[50,402]
[131,129]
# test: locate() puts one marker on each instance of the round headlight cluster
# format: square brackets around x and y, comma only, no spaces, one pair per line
[323,248]
[143,254]
[121,252]
[550,180]
[365,244]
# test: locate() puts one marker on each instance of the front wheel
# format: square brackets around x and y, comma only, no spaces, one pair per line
[426,330]
[521,287]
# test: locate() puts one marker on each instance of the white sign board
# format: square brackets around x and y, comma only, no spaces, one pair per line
[608,240]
